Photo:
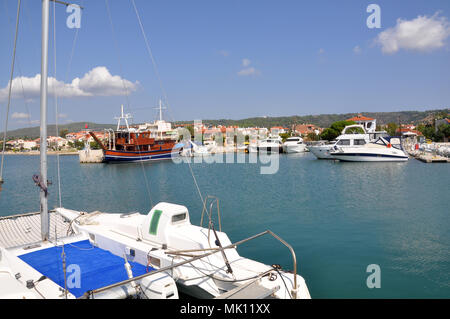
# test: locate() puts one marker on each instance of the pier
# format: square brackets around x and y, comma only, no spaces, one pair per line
[91,156]
[431,158]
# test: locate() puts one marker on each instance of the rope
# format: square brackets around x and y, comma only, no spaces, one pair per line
[56,106]
[9,91]
[127,95]
[62,93]
[118,55]
[150,53]
[195,181]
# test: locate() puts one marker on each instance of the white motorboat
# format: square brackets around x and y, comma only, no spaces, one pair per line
[384,149]
[211,146]
[294,144]
[322,150]
[203,261]
[272,144]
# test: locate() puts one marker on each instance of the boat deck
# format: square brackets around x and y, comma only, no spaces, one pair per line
[25,229]
[87,267]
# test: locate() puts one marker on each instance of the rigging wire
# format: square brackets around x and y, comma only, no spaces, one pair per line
[9,92]
[62,92]
[17,62]
[150,53]
[126,93]
[56,106]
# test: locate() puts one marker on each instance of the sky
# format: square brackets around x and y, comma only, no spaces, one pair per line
[227,59]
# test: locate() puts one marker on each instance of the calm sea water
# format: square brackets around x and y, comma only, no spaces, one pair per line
[339,217]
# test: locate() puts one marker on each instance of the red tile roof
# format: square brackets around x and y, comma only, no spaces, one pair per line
[360,117]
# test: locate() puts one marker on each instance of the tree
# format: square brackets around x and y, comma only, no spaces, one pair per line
[190,128]
[284,136]
[63,133]
[335,130]
[312,137]
[391,129]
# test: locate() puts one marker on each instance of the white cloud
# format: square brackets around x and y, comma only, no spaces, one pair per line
[357,50]
[420,34]
[247,69]
[18,115]
[224,53]
[246,62]
[96,82]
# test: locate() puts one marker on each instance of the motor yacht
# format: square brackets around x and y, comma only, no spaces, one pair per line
[294,144]
[384,149]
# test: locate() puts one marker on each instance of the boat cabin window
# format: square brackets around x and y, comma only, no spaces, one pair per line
[178,218]
[343,142]
[359,142]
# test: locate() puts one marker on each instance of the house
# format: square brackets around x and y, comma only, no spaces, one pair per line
[305,129]
[369,123]
[276,130]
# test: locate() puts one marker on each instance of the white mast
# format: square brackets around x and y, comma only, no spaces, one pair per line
[43,147]
[123,116]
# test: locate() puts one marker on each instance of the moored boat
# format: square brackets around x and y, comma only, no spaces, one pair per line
[127,144]
[384,149]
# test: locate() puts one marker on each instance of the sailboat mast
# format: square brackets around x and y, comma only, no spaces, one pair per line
[43,145]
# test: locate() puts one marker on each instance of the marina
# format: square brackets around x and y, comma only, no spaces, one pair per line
[337,227]
[299,207]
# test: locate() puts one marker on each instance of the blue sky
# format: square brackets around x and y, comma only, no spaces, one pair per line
[233,59]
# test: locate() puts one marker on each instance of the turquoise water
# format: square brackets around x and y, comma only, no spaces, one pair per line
[339,217]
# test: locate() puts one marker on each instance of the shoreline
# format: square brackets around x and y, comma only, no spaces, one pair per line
[39,153]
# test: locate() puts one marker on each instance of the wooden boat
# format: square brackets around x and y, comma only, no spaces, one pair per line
[134,145]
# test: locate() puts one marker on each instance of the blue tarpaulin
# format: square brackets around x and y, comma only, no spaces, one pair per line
[97,267]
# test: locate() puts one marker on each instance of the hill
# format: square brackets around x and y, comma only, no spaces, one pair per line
[322,120]
[325,120]
[34,132]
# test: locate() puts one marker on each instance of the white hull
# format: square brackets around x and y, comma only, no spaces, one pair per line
[371,153]
[321,151]
[362,158]
[152,239]
[298,148]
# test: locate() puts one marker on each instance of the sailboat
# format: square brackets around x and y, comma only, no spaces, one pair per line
[65,266]
[106,255]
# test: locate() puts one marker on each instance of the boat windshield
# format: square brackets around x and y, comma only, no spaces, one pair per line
[343,142]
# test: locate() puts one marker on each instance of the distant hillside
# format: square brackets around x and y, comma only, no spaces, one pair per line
[322,120]
[34,132]
[325,120]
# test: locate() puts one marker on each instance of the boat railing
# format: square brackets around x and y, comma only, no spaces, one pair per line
[208,252]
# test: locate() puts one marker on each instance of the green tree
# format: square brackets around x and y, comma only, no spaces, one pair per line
[63,133]
[391,129]
[284,136]
[190,128]
[335,130]
[427,131]
[312,137]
